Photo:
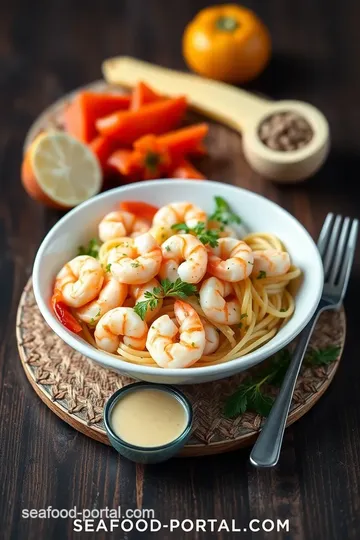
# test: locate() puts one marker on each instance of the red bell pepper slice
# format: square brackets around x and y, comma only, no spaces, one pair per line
[63,313]
[139,208]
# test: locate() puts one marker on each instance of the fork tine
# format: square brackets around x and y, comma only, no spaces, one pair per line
[325,234]
[348,258]
[340,251]
[331,249]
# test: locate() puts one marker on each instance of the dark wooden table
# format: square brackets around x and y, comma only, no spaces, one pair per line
[48,48]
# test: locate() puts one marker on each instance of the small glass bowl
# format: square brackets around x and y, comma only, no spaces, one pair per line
[153,454]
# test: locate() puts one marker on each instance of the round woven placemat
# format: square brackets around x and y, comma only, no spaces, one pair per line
[76,389]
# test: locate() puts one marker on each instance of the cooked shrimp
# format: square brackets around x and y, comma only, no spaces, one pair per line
[212,338]
[179,212]
[184,256]
[135,260]
[223,230]
[120,321]
[121,223]
[271,261]
[80,280]
[138,293]
[112,295]
[162,334]
[215,303]
[231,260]
[161,233]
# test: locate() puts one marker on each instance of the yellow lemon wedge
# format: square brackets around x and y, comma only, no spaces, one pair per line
[60,171]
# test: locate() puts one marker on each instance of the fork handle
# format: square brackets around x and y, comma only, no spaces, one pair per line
[266,450]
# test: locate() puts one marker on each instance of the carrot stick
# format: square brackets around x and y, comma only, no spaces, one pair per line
[103,147]
[184,141]
[143,94]
[184,169]
[154,118]
[139,208]
[123,162]
[81,114]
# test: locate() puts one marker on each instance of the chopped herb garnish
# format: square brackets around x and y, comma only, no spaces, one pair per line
[92,249]
[251,394]
[262,274]
[243,315]
[282,310]
[93,319]
[135,264]
[205,236]
[223,212]
[178,288]
[168,248]
[108,267]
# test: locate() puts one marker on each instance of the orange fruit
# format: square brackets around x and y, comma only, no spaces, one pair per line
[60,171]
[228,43]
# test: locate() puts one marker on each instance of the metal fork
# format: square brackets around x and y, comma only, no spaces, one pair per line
[336,245]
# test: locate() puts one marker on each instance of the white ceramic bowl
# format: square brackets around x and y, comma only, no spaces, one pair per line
[258,214]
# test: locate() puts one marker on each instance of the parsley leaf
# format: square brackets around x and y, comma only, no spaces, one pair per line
[205,236]
[251,395]
[141,308]
[208,237]
[92,249]
[262,274]
[260,403]
[108,267]
[181,227]
[178,288]
[237,403]
[223,213]
[322,357]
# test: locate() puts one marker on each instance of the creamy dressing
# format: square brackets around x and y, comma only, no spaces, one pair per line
[148,417]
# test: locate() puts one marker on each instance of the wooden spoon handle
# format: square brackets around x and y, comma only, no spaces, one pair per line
[223,102]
